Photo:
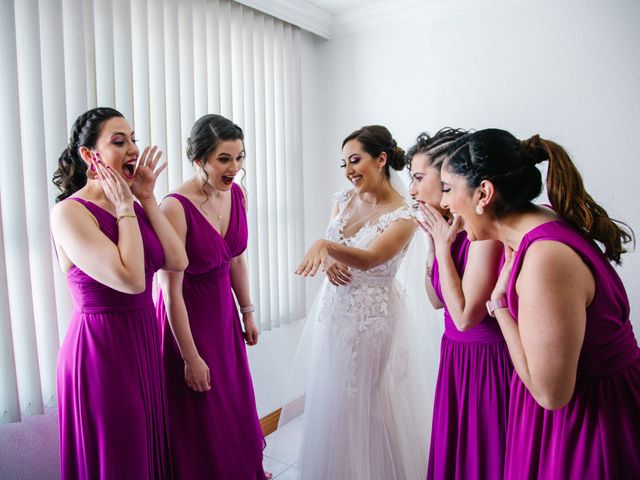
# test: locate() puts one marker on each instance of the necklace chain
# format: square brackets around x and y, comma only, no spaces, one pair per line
[215,210]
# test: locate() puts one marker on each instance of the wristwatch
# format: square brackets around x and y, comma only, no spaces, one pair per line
[493,305]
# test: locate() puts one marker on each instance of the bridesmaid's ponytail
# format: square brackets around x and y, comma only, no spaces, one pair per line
[573,203]
[510,164]
[71,174]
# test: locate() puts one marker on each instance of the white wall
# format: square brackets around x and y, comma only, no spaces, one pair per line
[568,70]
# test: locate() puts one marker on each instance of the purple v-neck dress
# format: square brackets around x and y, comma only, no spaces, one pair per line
[469,427]
[597,434]
[214,434]
[111,394]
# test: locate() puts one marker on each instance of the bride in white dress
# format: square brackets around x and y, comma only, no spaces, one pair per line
[361,359]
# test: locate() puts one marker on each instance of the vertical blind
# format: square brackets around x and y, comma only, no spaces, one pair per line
[163,64]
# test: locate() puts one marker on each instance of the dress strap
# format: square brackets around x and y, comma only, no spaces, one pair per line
[187,205]
[238,195]
[403,212]
[342,197]
[102,216]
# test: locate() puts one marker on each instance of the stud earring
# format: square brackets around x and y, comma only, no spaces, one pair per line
[479,209]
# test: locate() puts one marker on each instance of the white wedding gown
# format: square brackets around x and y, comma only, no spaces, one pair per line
[364,370]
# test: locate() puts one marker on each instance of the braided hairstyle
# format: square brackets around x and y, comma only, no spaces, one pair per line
[376,139]
[434,147]
[71,174]
[510,164]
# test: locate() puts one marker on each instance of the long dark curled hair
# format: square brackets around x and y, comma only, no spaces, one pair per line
[510,164]
[71,174]
[434,147]
[376,139]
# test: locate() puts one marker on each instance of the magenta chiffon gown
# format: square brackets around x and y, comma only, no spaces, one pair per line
[597,434]
[214,434]
[469,427]
[111,394]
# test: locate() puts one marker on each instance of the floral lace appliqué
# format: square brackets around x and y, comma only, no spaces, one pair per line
[359,311]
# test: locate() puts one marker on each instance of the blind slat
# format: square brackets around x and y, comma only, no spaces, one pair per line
[14,223]
[163,64]
[30,95]
[172,93]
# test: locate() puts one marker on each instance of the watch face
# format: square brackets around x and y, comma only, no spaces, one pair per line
[490,308]
[493,306]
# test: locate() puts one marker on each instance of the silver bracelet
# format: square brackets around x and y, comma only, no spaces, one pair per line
[248,309]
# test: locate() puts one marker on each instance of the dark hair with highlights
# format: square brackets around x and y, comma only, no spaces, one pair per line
[71,174]
[376,139]
[510,164]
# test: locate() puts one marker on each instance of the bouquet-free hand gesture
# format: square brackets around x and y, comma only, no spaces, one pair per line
[113,185]
[442,232]
[251,331]
[500,290]
[146,172]
[197,375]
[339,274]
[315,258]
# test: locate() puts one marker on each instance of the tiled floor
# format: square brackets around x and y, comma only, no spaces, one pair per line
[281,453]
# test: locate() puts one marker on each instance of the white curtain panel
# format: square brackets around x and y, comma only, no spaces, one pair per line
[163,64]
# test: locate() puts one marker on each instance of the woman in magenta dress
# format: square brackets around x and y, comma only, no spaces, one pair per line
[574,409]
[111,393]
[215,430]
[472,389]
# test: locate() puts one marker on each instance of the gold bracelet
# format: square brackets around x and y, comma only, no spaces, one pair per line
[126,215]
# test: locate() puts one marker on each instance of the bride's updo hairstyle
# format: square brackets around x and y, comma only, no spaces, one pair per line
[376,139]
[510,165]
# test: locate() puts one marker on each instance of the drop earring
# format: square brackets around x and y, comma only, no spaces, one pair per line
[91,169]
[479,209]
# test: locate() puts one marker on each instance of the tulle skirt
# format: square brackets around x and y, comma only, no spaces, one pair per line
[363,379]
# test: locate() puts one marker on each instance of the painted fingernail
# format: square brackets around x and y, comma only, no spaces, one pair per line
[93,167]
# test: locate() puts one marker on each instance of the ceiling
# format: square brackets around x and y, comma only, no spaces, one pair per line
[339,6]
[335,18]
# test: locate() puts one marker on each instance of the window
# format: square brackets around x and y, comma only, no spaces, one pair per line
[163,64]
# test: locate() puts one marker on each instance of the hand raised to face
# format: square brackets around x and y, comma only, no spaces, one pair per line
[146,172]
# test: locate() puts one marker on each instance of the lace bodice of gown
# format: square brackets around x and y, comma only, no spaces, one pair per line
[373,224]
[361,315]
[364,402]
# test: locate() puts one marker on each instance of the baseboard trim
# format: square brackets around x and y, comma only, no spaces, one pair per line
[295,408]
[269,423]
